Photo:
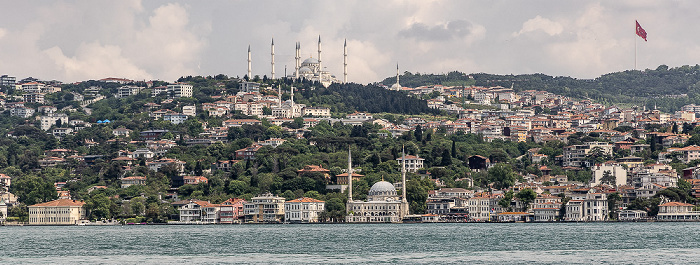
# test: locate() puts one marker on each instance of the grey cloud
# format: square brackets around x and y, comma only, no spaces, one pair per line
[441,32]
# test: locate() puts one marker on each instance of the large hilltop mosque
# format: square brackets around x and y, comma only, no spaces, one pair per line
[310,69]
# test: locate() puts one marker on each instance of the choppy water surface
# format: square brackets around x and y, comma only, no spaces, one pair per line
[559,243]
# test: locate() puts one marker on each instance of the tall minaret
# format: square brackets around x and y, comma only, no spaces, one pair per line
[398,86]
[403,174]
[292,95]
[320,68]
[272,54]
[250,67]
[279,95]
[345,61]
[297,57]
[349,175]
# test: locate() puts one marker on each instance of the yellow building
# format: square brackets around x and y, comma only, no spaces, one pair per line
[58,212]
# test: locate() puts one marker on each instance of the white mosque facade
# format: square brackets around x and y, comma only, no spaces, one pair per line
[383,204]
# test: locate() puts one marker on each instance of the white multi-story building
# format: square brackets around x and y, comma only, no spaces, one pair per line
[127,91]
[588,207]
[175,118]
[316,112]
[483,206]
[266,208]
[189,110]
[34,97]
[575,155]
[180,90]
[32,87]
[617,171]
[303,210]
[413,163]
[22,112]
[249,108]
[52,119]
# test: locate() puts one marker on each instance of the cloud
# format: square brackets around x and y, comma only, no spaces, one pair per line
[3,32]
[93,61]
[451,30]
[542,24]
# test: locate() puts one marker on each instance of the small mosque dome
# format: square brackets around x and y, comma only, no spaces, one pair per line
[305,70]
[382,188]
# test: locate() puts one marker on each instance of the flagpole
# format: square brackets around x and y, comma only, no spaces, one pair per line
[635,50]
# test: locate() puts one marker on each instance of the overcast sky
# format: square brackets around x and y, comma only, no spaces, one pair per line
[80,40]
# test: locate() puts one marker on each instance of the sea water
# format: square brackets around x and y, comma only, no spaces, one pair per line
[464,243]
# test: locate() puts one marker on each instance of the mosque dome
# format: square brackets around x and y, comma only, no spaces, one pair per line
[382,188]
[310,61]
[305,70]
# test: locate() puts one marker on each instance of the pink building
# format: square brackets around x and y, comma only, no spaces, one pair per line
[231,210]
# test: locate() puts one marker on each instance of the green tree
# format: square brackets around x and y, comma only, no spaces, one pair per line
[418,133]
[31,190]
[446,158]
[100,206]
[502,176]
[608,178]
[506,200]
[613,198]
[526,196]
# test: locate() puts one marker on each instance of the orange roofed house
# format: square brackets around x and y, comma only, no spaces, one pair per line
[58,212]
[677,211]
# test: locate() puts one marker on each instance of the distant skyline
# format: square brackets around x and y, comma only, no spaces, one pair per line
[80,40]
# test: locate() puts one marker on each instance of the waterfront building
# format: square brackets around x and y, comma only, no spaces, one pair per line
[58,212]
[196,211]
[231,210]
[631,215]
[587,207]
[303,210]
[383,204]
[546,208]
[266,208]
[677,211]
[483,206]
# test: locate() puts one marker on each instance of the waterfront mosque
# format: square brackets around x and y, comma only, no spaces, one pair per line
[310,69]
[383,204]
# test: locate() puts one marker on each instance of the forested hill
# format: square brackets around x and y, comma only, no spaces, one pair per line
[669,88]
[365,98]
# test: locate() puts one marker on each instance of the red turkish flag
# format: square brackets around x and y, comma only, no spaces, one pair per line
[641,32]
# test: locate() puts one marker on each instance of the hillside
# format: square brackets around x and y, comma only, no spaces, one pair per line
[667,88]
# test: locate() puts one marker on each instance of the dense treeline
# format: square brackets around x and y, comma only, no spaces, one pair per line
[667,88]
[352,97]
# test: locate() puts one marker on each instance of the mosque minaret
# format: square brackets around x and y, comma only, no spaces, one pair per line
[272,55]
[320,68]
[345,61]
[396,86]
[297,56]
[250,65]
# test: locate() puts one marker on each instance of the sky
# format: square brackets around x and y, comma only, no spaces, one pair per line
[163,40]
